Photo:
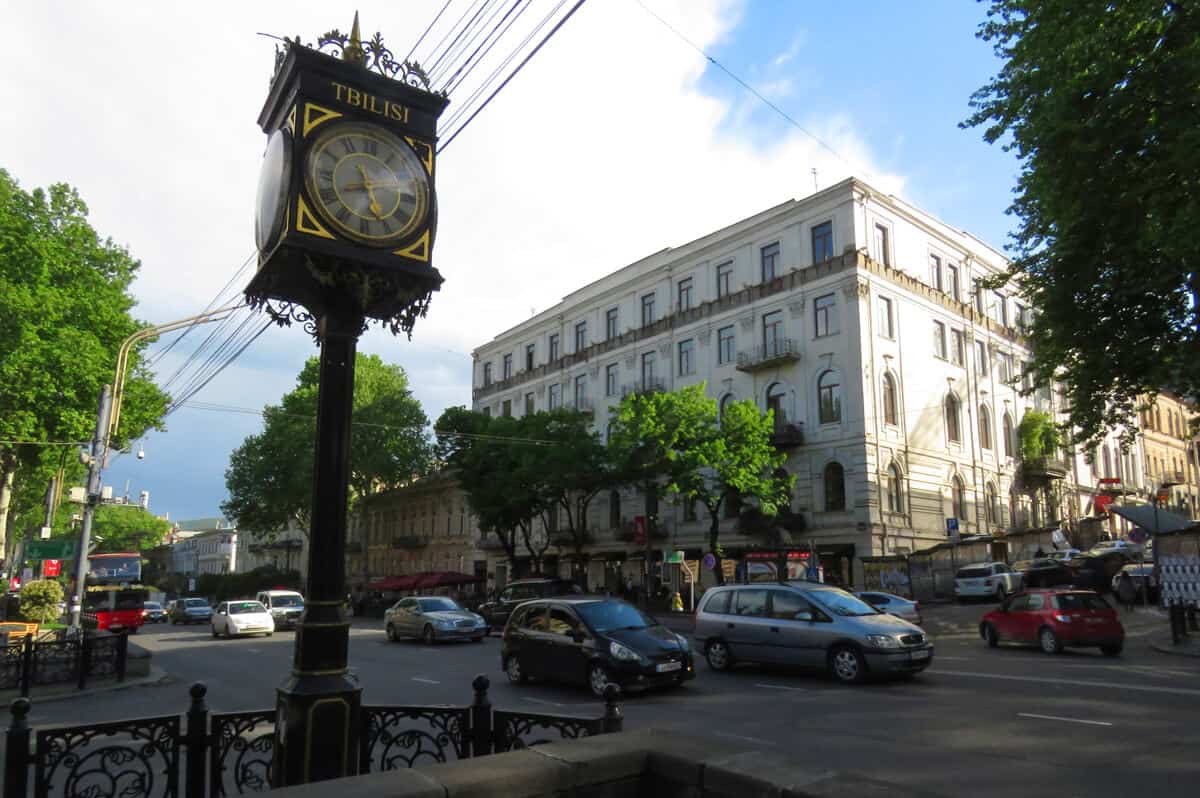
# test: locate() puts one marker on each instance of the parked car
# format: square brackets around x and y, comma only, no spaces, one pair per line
[285,606]
[1094,570]
[594,641]
[245,617]
[1064,555]
[1143,577]
[496,610]
[1043,572]
[807,624]
[899,606]
[191,610]
[1055,619]
[433,619]
[1128,547]
[986,580]
[153,612]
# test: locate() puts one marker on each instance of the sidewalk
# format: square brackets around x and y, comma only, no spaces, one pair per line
[1188,647]
[43,694]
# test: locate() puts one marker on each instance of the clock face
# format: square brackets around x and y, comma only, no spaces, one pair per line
[367,183]
[273,183]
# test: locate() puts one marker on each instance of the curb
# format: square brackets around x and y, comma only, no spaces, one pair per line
[1165,646]
[156,677]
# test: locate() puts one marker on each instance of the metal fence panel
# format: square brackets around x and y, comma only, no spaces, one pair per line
[242,746]
[128,758]
[516,730]
[400,737]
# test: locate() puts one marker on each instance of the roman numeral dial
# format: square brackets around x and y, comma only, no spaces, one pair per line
[367,183]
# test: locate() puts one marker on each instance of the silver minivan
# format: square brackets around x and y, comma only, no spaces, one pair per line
[810,625]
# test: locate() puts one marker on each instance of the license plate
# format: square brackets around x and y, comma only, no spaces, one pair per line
[1093,620]
[923,654]
[667,667]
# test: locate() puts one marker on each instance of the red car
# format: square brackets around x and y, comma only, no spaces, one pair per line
[1055,619]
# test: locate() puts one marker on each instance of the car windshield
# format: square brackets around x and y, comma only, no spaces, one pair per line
[240,607]
[839,602]
[438,605]
[605,616]
[1081,601]
[565,589]
[195,603]
[1021,565]
[152,605]
[971,573]
[287,601]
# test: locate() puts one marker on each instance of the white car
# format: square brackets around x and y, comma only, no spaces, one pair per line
[1126,546]
[986,580]
[246,617]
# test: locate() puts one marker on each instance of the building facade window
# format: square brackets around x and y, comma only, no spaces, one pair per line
[939,339]
[979,298]
[647,309]
[610,379]
[952,283]
[648,362]
[953,414]
[1001,310]
[610,324]
[891,402]
[829,398]
[614,509]
[772,333]
[581,336]
[687,357]
[726,401]
[770,262]
[895,490]
[822,242]
[506,367]
[958,498]
[835,487]
[985,427]
[981,359]
[1007,431]
[991,504]
[882,250]
[725,345]
[825,317]
[581,392]
[775,398]
[554,396]
[684,294]
[530,404]
[487,374]
[506,408]
[935,272]
[958,347]
[554,353]
[530,351]
[724,279]
[887,318]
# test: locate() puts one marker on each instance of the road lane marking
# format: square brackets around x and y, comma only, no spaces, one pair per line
[1144,688]
[781,687]
[1066,720]
[956,659]
[541,701]
[254,650]
[426,681]
[755,740]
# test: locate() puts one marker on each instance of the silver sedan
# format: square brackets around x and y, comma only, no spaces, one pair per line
[890,603]
[433,619]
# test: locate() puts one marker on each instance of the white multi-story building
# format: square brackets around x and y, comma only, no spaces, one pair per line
[203,546]
[894,377]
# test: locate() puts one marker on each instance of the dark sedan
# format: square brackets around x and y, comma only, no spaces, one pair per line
[593,641]
[153,612]
[1044,572]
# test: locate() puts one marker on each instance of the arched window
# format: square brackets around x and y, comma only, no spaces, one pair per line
[614,509]
[835,487]
[985,427]
[991,504]
[829,398]
[726,401]
[775,398]
[1008,435]
[952,413]
[1035,511]
[891,402]
[958,498]
[1108,472]
[895,490]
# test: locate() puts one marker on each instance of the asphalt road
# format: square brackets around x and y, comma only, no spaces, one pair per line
[979,721]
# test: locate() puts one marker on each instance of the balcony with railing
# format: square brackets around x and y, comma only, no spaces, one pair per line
[653,385]
[787,434]
[583,405]
[770,354]
[1044,468]
[409,542]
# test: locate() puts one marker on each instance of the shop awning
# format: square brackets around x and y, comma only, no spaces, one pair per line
[1150,519]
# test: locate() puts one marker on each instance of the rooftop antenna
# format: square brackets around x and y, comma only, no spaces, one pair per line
[814,174]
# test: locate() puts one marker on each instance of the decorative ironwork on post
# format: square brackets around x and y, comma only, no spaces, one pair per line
[346,221]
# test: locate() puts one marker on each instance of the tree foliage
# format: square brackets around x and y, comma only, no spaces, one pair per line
[1038,436]
[1098,100]
[40,600]
[126,528]
[64,311]
[270,476]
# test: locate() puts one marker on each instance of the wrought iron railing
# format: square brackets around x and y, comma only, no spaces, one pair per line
[214,755]
[76,659]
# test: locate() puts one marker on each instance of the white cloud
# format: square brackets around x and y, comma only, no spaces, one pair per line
[603,150]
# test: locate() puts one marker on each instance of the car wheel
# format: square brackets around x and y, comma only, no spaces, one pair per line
[1049,641]
[999,592]
[427,636]
[598,679]
[516,674]
[391,633]
[214,631]
[989,634]
[847,665]
[477,639]
[1112,651]
[718,656]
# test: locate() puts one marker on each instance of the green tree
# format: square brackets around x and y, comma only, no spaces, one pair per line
[270,475]
[64,312]
[1098,100]
[40,600]
[126,528]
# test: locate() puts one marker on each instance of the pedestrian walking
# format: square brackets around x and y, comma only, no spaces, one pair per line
[1126,592]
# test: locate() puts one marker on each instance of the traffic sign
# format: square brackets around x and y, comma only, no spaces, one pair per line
[709,561]
[54,549]
[951,524]
[1137,535]
[675,557]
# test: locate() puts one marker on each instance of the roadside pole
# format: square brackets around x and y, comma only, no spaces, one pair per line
[95,465]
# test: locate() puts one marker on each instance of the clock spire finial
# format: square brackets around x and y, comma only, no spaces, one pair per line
[353,51]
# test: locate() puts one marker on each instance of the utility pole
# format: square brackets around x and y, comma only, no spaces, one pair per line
[95,464]
[51,495]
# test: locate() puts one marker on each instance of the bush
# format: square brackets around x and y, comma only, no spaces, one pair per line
[40,600]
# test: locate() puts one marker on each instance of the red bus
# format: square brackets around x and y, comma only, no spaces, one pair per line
[114,598]
[114,569]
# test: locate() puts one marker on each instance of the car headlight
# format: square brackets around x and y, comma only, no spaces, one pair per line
[683,642]
[479,621]
[883,641]
[444,624]
[622,652]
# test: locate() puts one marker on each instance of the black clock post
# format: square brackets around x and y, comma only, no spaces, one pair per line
[345,229]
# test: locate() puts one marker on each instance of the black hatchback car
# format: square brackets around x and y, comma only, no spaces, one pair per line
[593,641]
[497,609]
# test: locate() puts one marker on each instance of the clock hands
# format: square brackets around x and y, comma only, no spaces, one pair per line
[369,186]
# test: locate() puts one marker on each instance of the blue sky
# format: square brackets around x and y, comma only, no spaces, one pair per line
[617,140]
